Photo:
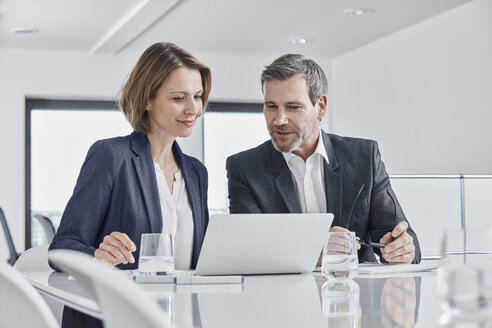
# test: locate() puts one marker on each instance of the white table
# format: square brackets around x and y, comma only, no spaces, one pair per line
[270,301]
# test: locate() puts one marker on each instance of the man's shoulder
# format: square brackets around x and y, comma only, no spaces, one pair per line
[350,143]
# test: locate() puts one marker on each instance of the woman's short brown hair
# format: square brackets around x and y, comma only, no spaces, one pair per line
[152,69]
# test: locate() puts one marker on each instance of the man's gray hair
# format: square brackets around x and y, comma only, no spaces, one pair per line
[289,65]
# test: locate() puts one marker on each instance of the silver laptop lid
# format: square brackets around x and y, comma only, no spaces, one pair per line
[263,243]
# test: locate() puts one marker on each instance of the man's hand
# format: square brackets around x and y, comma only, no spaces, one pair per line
[116,248]
[337,229]
[399,245]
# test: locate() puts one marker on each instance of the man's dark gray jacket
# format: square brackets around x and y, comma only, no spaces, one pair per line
[260,181]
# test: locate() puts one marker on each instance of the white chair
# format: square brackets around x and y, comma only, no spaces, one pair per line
[33,259]
[20,305]
[123,304]
[36,259]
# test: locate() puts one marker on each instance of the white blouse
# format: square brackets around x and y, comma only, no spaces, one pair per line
[177,218]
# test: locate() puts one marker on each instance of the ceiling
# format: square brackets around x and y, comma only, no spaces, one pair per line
[225,27]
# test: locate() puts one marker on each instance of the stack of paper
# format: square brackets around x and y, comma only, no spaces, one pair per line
[387,268]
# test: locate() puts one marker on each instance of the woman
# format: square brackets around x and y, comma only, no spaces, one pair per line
[143,183]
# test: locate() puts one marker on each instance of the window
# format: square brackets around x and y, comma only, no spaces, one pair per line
[58,136]
[228,129]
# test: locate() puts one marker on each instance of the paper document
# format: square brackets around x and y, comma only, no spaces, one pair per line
[376,268]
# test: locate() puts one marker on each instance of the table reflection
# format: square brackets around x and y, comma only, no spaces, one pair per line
[398,302]
[452,320]
[390,302]
[299,300]
[295,301]
[266,301]
[340,303]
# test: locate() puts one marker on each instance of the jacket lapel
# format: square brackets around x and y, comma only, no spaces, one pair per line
[284,183]
[333,183]
[144,166]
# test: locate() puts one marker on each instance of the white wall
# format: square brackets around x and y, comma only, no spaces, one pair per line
[70,75]
[424,93]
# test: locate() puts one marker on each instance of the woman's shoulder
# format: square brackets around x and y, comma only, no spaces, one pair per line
[121,141]
[109,148]
[115,144]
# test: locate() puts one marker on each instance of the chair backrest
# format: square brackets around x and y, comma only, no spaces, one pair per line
[48,227]
[20,304]
[122,303]
[33,259]
[13,255]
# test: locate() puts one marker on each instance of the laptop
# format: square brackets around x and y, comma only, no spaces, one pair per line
[263,243]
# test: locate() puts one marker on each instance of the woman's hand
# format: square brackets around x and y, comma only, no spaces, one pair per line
[115,249]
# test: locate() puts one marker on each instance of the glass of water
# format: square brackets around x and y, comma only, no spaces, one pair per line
[156,254]
[465,274]
[340,256]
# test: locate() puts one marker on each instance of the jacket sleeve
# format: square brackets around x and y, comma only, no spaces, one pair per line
[384,206]
[241,197]
[87,208]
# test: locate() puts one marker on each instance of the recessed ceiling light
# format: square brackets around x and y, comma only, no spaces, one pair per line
[358,11]
[24,30]
[300,40]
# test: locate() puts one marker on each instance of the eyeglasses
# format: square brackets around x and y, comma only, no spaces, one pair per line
[362,242]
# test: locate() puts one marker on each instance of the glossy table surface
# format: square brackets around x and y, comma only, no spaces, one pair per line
[297,300]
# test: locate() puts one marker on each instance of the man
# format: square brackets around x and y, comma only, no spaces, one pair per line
[304,170]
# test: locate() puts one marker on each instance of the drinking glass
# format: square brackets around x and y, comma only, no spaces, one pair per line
[340,256]
[465,274]
[156,254]
[340,303]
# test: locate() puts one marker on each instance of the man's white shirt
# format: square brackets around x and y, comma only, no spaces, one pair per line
[309,178]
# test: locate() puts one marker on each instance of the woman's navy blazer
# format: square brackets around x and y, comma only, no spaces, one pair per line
[117,191]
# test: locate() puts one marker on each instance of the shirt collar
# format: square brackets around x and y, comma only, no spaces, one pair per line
[320,149]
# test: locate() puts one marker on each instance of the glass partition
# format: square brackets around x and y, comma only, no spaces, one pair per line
[431,204]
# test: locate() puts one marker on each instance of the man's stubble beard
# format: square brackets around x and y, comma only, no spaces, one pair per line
[299,141]
[285,148]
